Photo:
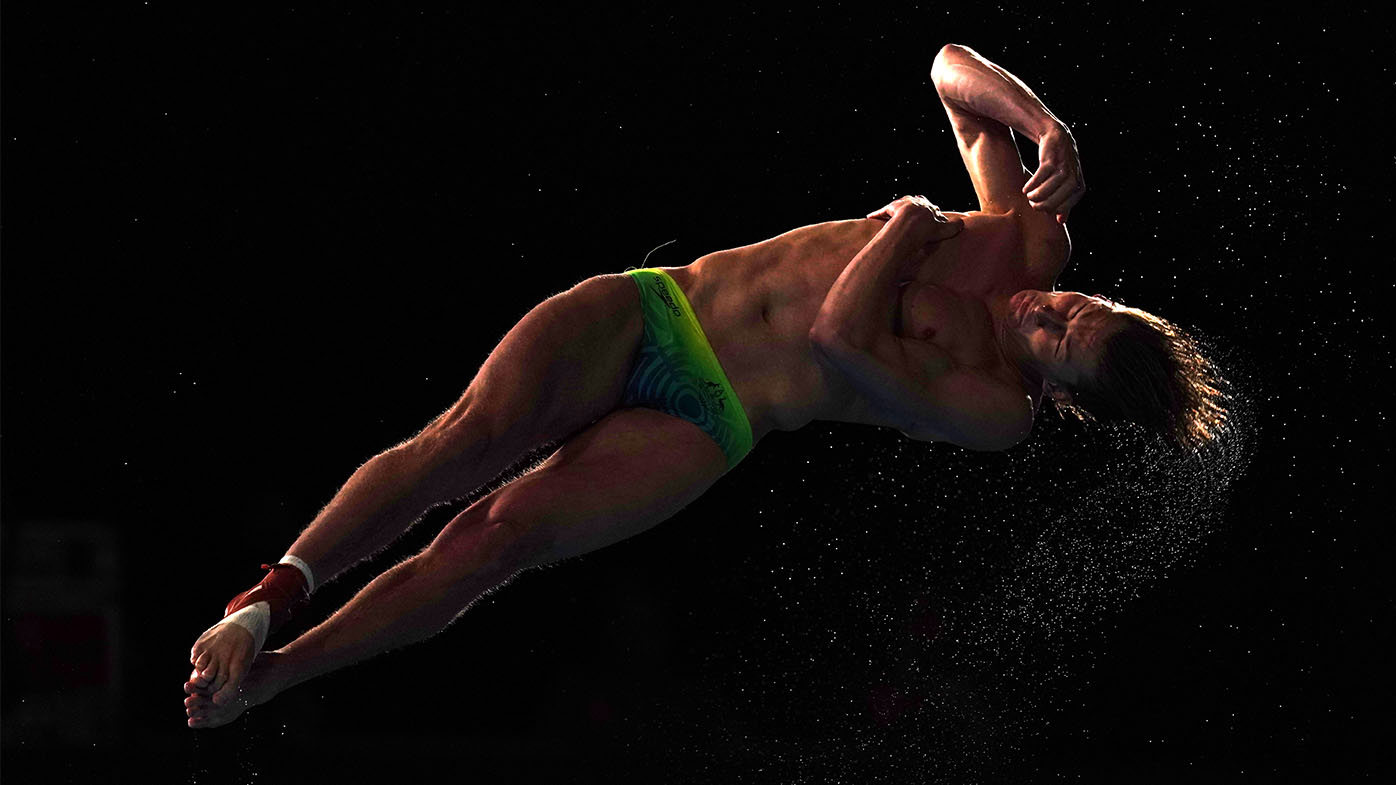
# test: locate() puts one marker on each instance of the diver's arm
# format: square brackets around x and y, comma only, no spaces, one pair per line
[968,83]
[861,307]
[983,102]
[914,382]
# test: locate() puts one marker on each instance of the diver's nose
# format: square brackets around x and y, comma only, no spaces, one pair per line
[1048,317]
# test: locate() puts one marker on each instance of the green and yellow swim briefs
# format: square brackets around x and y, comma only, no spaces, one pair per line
[677,372]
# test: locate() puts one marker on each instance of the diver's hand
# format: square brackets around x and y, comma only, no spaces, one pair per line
[926,220]
[1058,184]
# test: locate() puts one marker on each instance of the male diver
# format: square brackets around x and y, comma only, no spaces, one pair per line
[945,326]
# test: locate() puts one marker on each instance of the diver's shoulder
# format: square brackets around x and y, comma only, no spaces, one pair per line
[1046,244]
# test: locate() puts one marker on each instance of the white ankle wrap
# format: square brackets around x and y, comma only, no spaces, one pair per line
[304,568]
[255,618]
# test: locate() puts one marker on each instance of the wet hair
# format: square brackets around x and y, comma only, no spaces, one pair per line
[1153,373]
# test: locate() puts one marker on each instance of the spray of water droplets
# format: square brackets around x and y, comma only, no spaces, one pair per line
[917,612]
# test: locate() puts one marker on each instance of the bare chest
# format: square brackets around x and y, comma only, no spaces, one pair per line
[958,325]
[948,303]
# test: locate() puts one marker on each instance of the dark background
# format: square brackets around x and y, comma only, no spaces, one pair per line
[245,250]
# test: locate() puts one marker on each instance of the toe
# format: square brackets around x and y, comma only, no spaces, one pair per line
[200,711]
[212,674]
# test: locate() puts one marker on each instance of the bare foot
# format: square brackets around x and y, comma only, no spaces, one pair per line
[221,656]
[209,709]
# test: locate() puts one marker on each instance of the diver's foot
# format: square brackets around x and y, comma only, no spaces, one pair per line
[264,679]
[221,657]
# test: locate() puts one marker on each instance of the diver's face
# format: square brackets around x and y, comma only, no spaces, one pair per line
[1062,333]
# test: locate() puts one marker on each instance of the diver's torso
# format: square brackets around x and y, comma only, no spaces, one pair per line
[757,303]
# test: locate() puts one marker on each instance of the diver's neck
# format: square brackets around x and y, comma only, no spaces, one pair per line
[1015,355]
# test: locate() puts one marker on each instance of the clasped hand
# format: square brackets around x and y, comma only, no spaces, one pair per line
[923,219]
[1058,184]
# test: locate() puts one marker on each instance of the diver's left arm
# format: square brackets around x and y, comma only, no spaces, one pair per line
[922,391]
[984,101]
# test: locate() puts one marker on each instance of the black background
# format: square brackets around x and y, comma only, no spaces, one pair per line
[247,249]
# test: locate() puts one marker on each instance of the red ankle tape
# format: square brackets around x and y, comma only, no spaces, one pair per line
[283,590]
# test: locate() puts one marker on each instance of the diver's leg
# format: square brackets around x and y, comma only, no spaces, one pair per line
[561,367]
[619,477]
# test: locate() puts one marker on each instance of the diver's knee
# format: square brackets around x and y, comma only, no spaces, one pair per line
[483,542]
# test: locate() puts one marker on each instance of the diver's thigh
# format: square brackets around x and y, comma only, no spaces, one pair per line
[622,475]
[561,367]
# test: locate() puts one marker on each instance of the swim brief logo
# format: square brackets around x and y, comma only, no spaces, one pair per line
[712,395]
[662,291]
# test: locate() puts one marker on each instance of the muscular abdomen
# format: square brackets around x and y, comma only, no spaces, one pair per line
[757,303]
